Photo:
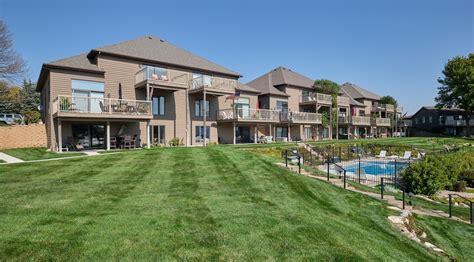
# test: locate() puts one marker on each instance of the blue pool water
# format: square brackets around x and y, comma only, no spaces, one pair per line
[376,168]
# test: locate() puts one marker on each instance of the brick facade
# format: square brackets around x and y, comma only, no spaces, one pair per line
[19,136]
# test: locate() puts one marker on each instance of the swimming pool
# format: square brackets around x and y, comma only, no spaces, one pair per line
[376,167]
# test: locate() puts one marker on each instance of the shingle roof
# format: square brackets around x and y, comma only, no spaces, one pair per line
[79,62]
[357,92]
[246,88]
[155,49]
[265,85]
[352,100]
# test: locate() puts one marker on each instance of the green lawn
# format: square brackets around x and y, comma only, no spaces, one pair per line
[215,203]
[452,236]
[37,153]
[426,143]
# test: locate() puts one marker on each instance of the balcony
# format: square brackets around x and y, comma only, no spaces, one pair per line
[91,107]
[383,107]
[301,117]
[162,77]
[343,101]
[382,121]
[248,115]
[213,85]
[316,98]
[458,122]
[360,120]
[343,120]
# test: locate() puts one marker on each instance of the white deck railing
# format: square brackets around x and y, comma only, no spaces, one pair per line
[360,120]
[214,83]
[382,121]
[249,114]
[162,75]
[316,97]
[301,117]
[93,105]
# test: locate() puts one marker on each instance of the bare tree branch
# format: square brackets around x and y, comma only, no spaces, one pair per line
[12,66]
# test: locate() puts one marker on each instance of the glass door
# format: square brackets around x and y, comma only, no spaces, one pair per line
[96,102]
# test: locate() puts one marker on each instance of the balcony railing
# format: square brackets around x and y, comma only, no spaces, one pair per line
[360,120]
[214,83]
[343,119]
[163,76]
[342,100]
[383,107]
[106,106]
[301,117]
[458,122]
[382,121]
[249,114]
[316,97]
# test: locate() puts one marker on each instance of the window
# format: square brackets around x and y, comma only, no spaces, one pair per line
[442,120]
[423,120]
[87,96]
[361,112]
[243,107]
[416,120]
[430,119]
[200,134]
[308,133]
[158,105]
[282,106]
[157,73]
[199,108]
[201,80]
[158,135]
[282,132]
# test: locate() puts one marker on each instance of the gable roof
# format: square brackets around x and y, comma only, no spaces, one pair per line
[358,92]
[441,110]
[151,48]
[352,101]
[148,48]
[246,88]
[265,85]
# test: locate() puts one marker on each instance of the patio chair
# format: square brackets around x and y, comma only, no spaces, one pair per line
[382,154]
[133,142]
[113,142]
[127,142]
[406,156]
[74,144]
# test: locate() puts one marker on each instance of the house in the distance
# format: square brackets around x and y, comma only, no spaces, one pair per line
[430,121]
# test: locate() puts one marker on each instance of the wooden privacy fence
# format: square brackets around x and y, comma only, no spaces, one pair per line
[20,136]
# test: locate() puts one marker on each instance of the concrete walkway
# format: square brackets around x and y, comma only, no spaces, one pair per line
[9,159]
[387,198]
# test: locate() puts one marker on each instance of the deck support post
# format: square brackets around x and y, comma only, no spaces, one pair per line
[108,135]
[204,114]
[148,133]
[233,132]
[289,133]
[60,137]
[255,135]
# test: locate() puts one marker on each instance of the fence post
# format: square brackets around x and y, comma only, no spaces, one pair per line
[381,187]
[450,204]
[328,167]
[395,182]
[286,158]
[344,179]
[403,197]
[359,169]
[299,163]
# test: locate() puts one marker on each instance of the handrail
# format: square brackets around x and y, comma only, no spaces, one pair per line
[79,104]
[471,215]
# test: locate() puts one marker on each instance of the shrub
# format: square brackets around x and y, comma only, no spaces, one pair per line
[460,186]
[437,172]
[31,117]
[176,142]
[468,176]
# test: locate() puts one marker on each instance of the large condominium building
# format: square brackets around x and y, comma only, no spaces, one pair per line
[148,91]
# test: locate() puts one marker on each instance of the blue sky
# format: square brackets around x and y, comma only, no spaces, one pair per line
[389,47]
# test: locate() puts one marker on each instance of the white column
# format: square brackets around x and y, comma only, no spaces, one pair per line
[233,132]
[204,115]
[255,134]
[148,140]
[108,135]
[289,133]
[60,136]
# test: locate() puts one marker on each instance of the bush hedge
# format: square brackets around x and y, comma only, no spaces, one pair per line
[438,172]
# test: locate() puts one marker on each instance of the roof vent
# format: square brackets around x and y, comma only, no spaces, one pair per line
[161,40]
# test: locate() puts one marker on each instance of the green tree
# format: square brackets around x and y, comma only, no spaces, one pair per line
[30,98]
[457,86]
[331,88]
[388,100]
[10,98]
